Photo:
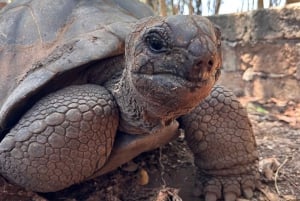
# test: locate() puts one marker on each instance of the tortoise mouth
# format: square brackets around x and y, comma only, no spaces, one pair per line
[168,94]
[170,78]
[167,88]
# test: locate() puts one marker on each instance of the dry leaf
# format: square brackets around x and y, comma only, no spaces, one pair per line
[167,194]
[270,195]
[289,197]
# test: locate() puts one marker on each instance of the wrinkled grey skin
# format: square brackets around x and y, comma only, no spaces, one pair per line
[86,87]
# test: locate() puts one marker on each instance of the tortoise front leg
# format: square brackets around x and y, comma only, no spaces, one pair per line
[62,140]
[220,135]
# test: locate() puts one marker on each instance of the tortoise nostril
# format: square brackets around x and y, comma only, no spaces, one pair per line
[210,65]
[202,64]
[199,64]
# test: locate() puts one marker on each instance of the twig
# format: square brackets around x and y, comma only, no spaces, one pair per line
[166,193]
[276,175]
[162,168]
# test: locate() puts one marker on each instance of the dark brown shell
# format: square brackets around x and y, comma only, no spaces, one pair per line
[41,40]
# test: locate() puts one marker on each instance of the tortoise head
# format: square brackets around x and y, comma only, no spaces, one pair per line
[174,61]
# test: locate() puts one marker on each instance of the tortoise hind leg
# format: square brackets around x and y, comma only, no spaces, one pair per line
[220,135]
[63,139]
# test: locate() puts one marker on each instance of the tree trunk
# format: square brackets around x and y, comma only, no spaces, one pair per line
[217,6]
[163,7]
[270,3]
[198,7]
[191,8]
[260,4]
[173,7]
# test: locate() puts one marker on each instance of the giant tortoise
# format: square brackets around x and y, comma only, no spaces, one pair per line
[86,86]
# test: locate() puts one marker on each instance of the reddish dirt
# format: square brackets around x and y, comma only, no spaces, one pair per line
[169,174]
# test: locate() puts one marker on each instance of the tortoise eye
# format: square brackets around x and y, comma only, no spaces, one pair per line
[155,43]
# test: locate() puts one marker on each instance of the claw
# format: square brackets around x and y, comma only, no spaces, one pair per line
[210,196]
[230,196]
[248,193]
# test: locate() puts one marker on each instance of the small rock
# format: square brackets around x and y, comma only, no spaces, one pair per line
[143,177]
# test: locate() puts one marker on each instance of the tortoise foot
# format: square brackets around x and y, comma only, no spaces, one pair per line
[229,186]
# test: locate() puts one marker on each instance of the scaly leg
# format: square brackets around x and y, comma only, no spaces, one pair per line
[62,140]
[220,135]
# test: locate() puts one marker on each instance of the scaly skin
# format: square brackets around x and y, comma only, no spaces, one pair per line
[220,135]
[61,140]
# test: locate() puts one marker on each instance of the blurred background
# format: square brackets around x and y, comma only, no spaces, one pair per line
[211,7]
[204,7]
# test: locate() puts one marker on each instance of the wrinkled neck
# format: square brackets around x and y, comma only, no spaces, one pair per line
[135,117]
